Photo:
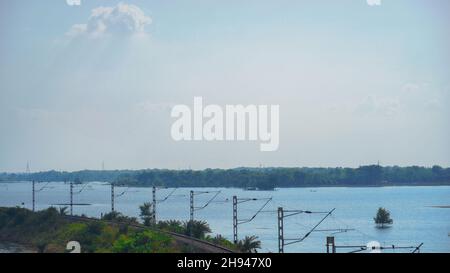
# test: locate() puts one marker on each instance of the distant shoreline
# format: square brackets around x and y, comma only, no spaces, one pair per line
[288,187]
[252,178]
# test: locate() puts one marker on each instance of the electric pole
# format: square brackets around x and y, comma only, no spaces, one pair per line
[235,221]
[330,244]
[71,198]
[280,230]
[287,213]
[33,196]
[112,197]
[192,206]
[34,191]
[154,205]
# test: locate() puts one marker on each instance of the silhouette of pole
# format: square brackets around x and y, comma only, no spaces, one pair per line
[33,196]
[112,197]
[71,198]
[280,230]
[288,213]
[330,244]
[235,220]
[154,205]
[192,206]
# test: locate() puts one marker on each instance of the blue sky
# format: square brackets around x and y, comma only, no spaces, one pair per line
[356,83]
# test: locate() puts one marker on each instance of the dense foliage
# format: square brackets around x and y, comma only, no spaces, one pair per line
[262,178]
[383,218]
[49,231]
[57,176]
[269,178]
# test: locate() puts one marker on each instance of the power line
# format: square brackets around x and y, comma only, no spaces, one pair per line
[191,201]
[167,196]
[282,214]
[115,196]
[72,193]
[123,192]
[236,221]
[43,187]
[82,188]
[34,191]
[155,201]
[359,248]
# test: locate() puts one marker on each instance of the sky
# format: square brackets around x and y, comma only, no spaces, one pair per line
[89,82]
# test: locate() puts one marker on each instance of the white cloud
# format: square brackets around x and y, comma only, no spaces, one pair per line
[76,30]
[433,105]
[73,2]
[149,107]
[374,105]
[373,2]
[410,88]
[122,19]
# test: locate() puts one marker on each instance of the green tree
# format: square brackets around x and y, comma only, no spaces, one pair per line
[146,213]
[220,240]
[172,225]
[63,211]
[249,244]
[143,242]
[118,217]
[197,229]
[383,218]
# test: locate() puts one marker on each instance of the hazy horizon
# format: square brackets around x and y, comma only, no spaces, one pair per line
[358,82]
[212,168]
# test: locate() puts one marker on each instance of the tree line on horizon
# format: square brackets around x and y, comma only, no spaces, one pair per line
[261,178]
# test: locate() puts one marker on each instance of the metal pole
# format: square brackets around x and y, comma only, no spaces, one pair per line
[112,197]
[71,198]
[154,205]
[235,223]
[280,230]
[330,243]
[34,196]
[192,206]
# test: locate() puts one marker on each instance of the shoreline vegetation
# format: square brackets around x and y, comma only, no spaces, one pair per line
[50,230]
[252,178]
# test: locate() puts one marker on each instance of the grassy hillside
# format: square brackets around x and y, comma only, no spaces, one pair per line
[50,231]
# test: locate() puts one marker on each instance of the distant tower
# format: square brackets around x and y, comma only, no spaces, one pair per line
[28,167]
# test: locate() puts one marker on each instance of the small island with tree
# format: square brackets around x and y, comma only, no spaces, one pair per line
[383,218]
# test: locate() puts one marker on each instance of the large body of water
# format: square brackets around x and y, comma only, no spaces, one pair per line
[415,219]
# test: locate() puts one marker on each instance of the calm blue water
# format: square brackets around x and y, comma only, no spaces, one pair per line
[415,221]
